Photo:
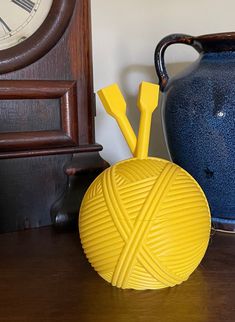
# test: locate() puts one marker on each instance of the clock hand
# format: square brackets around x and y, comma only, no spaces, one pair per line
[24,4]
[5,25]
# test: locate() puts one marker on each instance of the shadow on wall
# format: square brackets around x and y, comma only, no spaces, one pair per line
[158,146]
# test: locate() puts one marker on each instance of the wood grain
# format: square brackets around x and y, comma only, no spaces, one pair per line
[45,277]
[66,136]
[16,117]
[32,177]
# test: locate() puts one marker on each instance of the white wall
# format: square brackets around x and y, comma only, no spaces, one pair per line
[125,33]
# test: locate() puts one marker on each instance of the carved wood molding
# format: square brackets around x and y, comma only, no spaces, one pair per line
[67,136]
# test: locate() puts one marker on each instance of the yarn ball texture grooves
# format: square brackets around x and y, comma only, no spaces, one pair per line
[144,224]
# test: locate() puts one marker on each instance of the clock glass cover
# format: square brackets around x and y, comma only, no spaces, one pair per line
[19,19]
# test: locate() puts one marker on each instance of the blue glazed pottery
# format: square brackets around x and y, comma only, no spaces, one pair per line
[199,118]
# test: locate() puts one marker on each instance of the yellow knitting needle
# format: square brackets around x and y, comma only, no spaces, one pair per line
[115,105]
[147,103]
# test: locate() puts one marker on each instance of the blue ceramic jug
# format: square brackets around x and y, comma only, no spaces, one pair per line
[199,118]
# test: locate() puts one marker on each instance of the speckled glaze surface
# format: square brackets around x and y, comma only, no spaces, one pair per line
[199,118]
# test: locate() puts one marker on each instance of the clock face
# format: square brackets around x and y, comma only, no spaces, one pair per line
[19,19]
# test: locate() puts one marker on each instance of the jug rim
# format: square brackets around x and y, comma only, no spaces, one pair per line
[216,42]
[219,35]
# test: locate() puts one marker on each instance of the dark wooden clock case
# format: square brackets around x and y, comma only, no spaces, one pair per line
[47,142]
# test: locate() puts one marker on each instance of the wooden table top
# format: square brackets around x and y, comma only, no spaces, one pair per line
[45,277]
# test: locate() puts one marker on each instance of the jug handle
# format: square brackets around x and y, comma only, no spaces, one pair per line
[160,52]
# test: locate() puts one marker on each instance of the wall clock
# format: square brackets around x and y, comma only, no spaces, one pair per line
[48,153]
[30,28]
[19,19]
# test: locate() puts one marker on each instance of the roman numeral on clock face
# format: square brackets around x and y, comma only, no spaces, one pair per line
[5,26]
[24,4]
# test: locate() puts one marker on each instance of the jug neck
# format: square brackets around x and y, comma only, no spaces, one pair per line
[223,56]
[220,42]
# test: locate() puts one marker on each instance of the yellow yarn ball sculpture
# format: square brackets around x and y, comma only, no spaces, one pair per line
[144,222]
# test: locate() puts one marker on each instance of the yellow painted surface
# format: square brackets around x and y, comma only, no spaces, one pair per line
[147,103]
[144,224]
[115,105]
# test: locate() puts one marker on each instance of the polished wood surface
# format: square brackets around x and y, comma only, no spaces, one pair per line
[67,132]
[45,277]
[47,108]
